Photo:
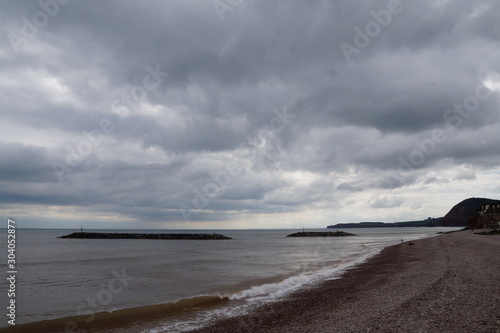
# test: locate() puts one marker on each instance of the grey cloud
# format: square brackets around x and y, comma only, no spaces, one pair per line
[465,175]
[21,163]
[384,202]
[436,180]
[352,122]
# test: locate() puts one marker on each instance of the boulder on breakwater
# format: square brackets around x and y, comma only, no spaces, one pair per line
[100,235]
[320,234]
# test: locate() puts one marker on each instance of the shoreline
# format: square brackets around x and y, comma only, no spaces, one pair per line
[363,298]
[445,283]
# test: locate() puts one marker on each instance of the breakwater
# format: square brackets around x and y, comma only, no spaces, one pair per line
[100,235]
[320,234]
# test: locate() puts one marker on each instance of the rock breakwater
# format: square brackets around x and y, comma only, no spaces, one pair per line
[320,234]
[100,235]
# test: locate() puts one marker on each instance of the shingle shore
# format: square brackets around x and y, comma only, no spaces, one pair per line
[448,283]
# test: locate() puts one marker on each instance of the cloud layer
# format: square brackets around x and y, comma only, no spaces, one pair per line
[199,114]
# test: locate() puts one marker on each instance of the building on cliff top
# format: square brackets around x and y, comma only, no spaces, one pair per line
[486,216]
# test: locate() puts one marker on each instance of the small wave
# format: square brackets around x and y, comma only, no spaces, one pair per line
[200,309]
[244,301]
[293,283]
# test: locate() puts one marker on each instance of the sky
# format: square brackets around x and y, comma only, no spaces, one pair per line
[228,114]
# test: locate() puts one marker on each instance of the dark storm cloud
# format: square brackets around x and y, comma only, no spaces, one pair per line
[189,92]
[22,163]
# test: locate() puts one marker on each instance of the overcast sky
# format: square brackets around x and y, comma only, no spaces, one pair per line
[246,113]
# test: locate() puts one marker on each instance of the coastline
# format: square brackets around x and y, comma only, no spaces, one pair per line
[446,283]
[362,299]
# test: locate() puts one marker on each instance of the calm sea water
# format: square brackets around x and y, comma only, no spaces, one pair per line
[59,278]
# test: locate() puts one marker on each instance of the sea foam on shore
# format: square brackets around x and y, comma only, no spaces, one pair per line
[427,287]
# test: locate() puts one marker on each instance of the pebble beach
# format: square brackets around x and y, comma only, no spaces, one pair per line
[447,283]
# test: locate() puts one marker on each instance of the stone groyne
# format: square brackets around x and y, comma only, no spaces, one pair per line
[100,235]
[320,234]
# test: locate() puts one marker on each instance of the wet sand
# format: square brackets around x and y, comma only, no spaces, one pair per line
[448,283]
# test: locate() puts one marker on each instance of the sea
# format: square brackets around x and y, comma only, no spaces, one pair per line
[175,285]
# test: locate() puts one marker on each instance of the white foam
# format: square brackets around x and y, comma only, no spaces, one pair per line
[271,291]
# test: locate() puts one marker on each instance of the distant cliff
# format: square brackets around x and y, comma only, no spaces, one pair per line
[460,214]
